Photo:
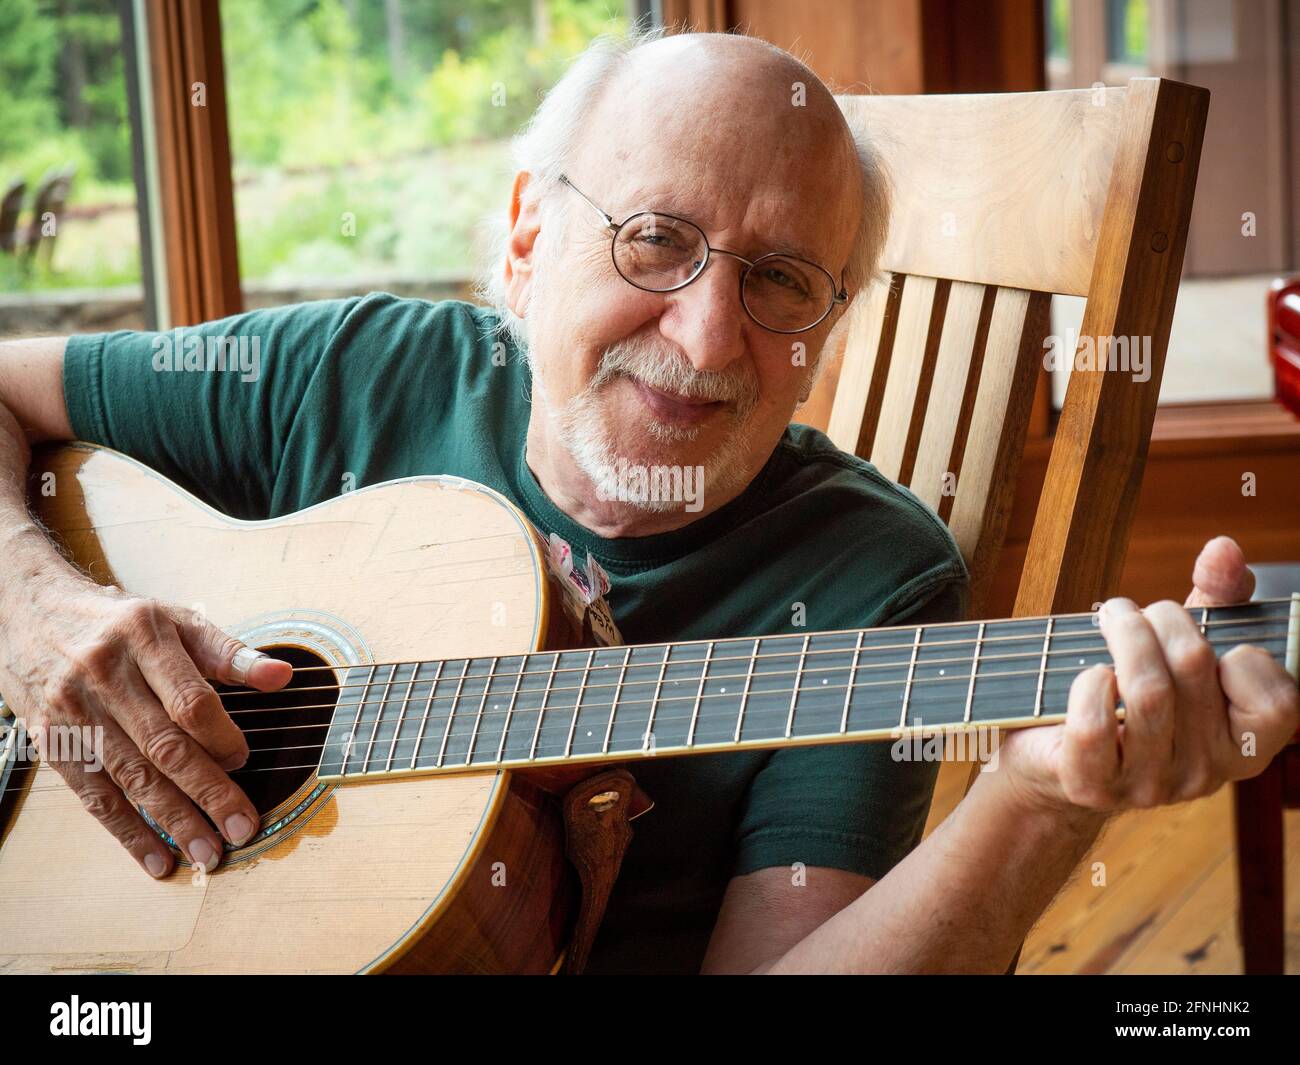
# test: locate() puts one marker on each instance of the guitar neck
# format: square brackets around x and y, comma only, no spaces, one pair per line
[648,700]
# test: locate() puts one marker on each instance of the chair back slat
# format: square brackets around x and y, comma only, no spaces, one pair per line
[989,464]
[911,366]
[961,349]
[858,380]
[1000,201]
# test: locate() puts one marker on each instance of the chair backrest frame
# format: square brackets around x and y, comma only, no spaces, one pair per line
[1001,201]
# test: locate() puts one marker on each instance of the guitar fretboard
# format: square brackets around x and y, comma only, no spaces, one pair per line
[621,703]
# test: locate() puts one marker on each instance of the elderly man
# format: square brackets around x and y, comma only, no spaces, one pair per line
[689,218]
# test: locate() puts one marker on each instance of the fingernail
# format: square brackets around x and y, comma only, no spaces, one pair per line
[202,854]
[233,762]
[242,661]
[238,828]
[154,864]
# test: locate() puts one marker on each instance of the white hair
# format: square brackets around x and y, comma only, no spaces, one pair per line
[545,146]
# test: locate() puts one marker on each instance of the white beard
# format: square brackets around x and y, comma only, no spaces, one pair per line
[581,425]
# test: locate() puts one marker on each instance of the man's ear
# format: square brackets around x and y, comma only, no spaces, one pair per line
[525,224]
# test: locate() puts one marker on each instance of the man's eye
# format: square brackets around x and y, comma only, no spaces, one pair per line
[658,238]
[779,277]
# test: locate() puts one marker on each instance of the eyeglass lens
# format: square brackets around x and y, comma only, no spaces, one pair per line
[660,253]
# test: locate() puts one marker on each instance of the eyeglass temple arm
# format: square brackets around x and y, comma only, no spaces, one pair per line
[609,222]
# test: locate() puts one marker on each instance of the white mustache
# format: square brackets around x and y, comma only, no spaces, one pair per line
[657,365]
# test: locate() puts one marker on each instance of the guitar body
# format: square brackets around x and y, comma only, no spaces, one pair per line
[462,873]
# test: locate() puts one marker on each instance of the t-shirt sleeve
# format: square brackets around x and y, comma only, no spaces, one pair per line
[209,406]
[848,806]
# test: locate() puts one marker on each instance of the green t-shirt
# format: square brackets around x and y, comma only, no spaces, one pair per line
[380,388]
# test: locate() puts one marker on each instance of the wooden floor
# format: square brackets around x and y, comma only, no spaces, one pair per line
[1169,902]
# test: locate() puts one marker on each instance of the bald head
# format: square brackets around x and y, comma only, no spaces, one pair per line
[730,119]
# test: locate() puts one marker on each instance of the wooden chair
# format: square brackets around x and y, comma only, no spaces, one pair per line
[51,198]
[1257,806]
[11,205]
[999,202]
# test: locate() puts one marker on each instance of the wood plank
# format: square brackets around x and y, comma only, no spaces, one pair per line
[995,443]
[989,199]
[916,347]
[947,416]
[860,384]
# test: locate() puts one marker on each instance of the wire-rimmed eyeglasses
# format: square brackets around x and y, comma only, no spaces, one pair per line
[658,252]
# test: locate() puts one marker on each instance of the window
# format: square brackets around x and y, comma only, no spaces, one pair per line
[1126,31]
[1056,22]
[1244,231]
[69,232]
[369,138]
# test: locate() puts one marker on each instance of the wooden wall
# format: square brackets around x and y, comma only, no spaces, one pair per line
[896,46]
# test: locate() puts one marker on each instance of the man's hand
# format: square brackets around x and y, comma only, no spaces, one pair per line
[84,655]
[1191,722]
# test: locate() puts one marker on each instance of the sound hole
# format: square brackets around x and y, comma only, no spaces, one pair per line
[285,730]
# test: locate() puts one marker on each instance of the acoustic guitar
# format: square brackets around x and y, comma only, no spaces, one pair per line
[446,693]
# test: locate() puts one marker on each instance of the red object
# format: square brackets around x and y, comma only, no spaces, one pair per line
[1284,341]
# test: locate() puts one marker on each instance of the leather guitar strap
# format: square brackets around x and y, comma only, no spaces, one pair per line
[596,814]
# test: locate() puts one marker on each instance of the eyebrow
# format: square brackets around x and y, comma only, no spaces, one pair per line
[656,197]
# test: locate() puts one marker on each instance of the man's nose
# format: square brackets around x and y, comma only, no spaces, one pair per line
[708,319]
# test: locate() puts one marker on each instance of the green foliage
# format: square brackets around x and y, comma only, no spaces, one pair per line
[28,57]
[333,105]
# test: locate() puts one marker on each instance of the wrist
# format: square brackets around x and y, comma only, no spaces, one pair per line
[1034,805]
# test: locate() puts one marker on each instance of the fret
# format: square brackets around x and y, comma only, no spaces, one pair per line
[744,696]
[974,667]
[577,702]
[1205,617]
[848,690]
[699,695]
[451,714]
[478,717]
[941,677]
[1076,645]
[342,726]
[514,697]
[654,699]
[424,719]
[356,724]
[1042,668]
[383,703]
[640,685]
[720,702]
[388,723]
[911,674]
[673,708]
[541,711]
[596,701]
[794,689]
[401,716]
[822,677]
[767,699]
[1009,655]
[1264,624]
[521,719]
[561,703]
[613,706]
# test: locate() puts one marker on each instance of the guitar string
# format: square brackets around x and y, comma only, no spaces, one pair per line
[574,711]
[1254,620]
[564,757]
[902,646]
[387,703]
[1256,639]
